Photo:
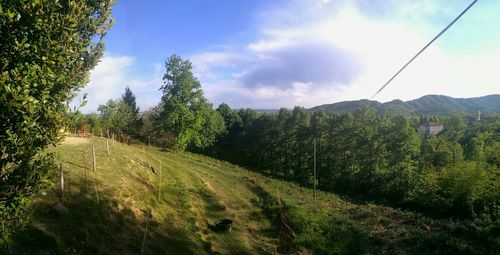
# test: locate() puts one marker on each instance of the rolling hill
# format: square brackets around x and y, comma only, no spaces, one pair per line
[426,105]
[132,205]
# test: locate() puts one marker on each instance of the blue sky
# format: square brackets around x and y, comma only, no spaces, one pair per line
[269,54]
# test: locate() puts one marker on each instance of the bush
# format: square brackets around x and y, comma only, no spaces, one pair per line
[48,49]
[463,190]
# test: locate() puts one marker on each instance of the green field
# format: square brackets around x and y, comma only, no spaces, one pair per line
[125,208]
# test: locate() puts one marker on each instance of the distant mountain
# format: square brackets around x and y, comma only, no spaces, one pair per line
[426,105]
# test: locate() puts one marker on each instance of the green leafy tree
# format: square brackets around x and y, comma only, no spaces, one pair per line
[186,113]
[283,141]
[319,126]
[74,118]
[48,49]
[302,145]
[116,116]
[403,149]
[232,120]
[224,145]
[453,132]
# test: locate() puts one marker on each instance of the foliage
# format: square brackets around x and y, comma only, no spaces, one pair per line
[185,111]
[134,127]
[116,116]
[128,98]
[375,158]
[48,49]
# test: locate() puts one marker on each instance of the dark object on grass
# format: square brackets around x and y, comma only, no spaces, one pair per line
[59,209]
[154,170]
[224,225]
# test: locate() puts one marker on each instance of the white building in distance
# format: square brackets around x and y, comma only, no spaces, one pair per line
[434,128]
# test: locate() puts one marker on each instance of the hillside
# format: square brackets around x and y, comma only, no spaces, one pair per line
[426,105]
[123,208]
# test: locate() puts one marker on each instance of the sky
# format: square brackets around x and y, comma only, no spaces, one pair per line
[269,54]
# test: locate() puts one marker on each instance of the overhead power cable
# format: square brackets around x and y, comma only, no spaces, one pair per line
[425,47]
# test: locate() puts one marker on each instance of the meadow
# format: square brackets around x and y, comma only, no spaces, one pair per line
[124,207]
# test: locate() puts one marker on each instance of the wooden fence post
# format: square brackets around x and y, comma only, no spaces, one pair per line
[96,193]
[86,175]
[93,155]
[62,181]
[107,145]
[145,234]
[159,183]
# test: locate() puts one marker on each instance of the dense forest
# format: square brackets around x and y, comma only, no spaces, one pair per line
[390,159]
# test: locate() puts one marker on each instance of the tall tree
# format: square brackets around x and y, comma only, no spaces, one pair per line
[319,126]
[133,128]
[453,131]
[232,120]
[283,141]
[186,113]
[129,99]
[302,145]
[48,50]
[402,144]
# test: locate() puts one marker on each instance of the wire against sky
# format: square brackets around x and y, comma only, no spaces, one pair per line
[425,47]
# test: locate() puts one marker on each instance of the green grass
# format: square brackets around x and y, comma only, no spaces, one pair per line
[194,191]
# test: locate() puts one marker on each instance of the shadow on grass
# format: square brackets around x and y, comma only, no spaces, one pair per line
[299,232]
[359,230]
[92,227]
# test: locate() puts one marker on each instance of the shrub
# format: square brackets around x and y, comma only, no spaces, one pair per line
[48,49]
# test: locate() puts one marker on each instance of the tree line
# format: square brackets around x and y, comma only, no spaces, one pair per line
[388,159]
[184,119]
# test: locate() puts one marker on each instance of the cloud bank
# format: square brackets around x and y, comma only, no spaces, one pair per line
[312,62]
[110,77]
[314,52]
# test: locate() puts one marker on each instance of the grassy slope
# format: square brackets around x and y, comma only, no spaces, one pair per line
[193,192]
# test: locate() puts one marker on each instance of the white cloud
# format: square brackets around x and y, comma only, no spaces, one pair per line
[110,77]
[365,40]
[312,52]
[205,62]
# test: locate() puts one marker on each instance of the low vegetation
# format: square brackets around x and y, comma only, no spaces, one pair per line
[393,160]
[110,210]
